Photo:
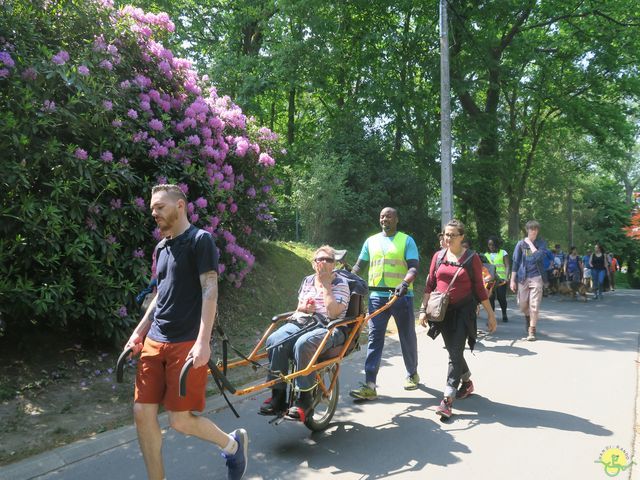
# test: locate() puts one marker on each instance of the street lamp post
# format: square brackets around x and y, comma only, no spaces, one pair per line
[446,176]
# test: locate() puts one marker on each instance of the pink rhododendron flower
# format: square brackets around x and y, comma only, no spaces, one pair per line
[60,58]
[83,70]
[266,160]
[116,204]
[194,218]
[81,154]
[116,123]
[131,113]
[138,253]
[49,106]
[201,202]
[156,125]
[106,156]
[107,104]
[30,74]
[184,187]
[157,234]
[5,58]
[140,203]
[106,64]
[242,146]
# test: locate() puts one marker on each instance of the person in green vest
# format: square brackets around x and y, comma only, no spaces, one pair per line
[393,259]
[500,258]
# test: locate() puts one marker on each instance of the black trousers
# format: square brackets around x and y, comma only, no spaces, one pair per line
[501,293]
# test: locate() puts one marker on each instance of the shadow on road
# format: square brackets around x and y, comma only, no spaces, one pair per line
[479,410]
[405,444]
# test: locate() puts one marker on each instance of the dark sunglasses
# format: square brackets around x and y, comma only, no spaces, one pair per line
[324,259]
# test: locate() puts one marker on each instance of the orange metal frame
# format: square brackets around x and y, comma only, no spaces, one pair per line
[259,353]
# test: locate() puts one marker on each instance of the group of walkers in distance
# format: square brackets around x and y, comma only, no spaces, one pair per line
[177,325]
[595,270]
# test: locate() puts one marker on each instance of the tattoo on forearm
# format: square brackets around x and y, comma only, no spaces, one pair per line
[209,282]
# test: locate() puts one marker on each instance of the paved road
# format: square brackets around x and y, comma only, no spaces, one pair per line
[543,410]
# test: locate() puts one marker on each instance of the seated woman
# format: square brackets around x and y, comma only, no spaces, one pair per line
[324,296]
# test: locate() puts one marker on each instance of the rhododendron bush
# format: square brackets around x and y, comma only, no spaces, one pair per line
[94,111]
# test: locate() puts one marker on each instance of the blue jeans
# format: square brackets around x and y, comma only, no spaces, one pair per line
[598,280]
[402,311]
[301,349]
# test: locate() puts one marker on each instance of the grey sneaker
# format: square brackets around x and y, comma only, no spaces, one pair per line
[237,463]
[411,383]
[532,334]
[365,392]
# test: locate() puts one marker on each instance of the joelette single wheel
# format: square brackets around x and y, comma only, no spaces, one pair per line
[325,402]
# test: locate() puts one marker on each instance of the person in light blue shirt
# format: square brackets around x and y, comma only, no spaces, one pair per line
[392,257]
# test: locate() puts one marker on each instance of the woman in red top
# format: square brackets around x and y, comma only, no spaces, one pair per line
[459,324]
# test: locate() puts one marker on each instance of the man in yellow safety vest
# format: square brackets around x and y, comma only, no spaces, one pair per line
[500,258]
[393,264]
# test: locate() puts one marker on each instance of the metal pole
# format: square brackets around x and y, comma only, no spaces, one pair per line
[446,176]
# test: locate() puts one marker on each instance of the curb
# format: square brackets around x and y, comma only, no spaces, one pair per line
[43,463]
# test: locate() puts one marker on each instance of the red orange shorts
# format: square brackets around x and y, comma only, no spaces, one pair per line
[158,377]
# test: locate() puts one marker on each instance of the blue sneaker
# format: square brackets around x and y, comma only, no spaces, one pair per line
[237,463]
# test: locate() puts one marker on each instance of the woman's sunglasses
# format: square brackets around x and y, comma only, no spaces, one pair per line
[324,259]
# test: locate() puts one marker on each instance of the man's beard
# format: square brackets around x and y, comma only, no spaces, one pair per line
[169,221]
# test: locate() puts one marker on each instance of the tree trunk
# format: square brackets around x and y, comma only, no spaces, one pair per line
[513,230]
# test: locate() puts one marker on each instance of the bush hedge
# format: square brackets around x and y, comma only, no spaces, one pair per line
[94,111]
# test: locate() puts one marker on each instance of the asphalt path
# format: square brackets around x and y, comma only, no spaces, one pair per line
[550,409]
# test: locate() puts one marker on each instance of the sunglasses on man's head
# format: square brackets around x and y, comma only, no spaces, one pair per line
[324,259]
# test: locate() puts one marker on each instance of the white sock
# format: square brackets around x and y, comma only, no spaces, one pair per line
[371,385]
[232,446]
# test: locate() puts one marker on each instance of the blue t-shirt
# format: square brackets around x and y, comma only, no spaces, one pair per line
[410,253]
[179,263]
[585,261]
[572,264]
[527,264]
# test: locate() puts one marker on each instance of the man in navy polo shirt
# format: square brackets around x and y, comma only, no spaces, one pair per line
[176,327]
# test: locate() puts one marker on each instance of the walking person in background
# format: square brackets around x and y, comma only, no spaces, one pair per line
[528,276]
[614,266]
[176,327]
[500,258]
[573,266]
[599,265]
[393,265]
[586,264]
[460,322]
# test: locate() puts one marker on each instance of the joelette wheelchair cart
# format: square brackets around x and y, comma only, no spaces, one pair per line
[325,366]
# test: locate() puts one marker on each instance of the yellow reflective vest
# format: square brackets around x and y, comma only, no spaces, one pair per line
[387,265]
[497,259]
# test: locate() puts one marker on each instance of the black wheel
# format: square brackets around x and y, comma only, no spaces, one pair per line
[324,403]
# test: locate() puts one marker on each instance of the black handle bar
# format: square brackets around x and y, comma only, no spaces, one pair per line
[120,365]
[215,372]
